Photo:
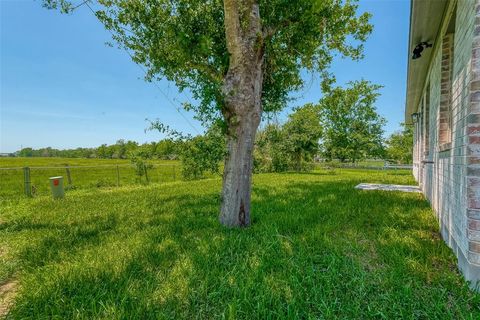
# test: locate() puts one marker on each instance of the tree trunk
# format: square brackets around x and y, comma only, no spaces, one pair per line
[242,110]
[299,162]
[237,175]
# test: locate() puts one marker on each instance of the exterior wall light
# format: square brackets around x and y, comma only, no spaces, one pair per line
[415,117]
[417,52]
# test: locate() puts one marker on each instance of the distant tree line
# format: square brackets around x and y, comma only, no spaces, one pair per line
[166,149]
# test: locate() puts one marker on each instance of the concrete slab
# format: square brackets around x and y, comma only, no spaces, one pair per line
[387,187]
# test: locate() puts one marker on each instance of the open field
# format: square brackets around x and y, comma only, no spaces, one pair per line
[84,173]
[318,248]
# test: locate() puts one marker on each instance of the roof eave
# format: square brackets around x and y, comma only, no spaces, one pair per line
[425,23]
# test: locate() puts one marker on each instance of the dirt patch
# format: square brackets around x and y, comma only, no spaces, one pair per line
[366,255]
[7,296]
[3,251]
[370,260]
[435,235]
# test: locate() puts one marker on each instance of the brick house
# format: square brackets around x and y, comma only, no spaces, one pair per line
[443,105]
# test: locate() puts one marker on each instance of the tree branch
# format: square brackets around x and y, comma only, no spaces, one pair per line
[232,28]
[208,70]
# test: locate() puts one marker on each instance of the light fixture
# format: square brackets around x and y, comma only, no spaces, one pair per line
[417,52]
[416,116]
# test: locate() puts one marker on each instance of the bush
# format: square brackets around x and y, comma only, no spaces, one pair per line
[140,164]
[203,154]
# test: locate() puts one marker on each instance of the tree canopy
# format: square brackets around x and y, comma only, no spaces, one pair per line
[400,145]
[352,128]
[184,41]
[302,133]
[289,146]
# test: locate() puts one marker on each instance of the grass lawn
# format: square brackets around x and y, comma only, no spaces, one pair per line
[318,248]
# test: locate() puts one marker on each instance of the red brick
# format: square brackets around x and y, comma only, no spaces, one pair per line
[473,130]
[474,246]
[473,224]
[473,160]
[474,139]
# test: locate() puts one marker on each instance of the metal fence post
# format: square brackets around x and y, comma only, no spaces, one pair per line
[146,174]
[27,182]
[118,177]
[69,177]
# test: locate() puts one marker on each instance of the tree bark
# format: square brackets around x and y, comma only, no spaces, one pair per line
[299,161]
[237,175]
[242,110]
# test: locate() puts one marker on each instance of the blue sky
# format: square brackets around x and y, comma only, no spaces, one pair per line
[61,86]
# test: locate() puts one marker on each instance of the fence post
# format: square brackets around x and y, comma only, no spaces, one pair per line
[69,177]
[27,182]
[118,177]
[174,178]
[146,174]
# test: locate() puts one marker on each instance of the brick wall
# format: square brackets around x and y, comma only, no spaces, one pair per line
[473,148]
[444,114]
[451,182]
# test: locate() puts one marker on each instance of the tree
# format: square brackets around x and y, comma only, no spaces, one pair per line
[352,128]
[239,58]
[26,152]
[289,146]
[302,132]
[123,148]
[166,149]
[400,145]
[202,154]
[269,153]
[102,151]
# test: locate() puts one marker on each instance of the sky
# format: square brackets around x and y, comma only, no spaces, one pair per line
[62,86]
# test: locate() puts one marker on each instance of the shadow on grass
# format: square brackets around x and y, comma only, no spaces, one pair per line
[59,239]
[315,249]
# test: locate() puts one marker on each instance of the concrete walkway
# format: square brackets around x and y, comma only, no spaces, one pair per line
[387,187]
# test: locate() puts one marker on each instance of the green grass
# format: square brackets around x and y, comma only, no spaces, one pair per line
[317,248]
[94,173]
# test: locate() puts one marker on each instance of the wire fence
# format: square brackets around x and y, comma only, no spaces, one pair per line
[369,164]
[35,180]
